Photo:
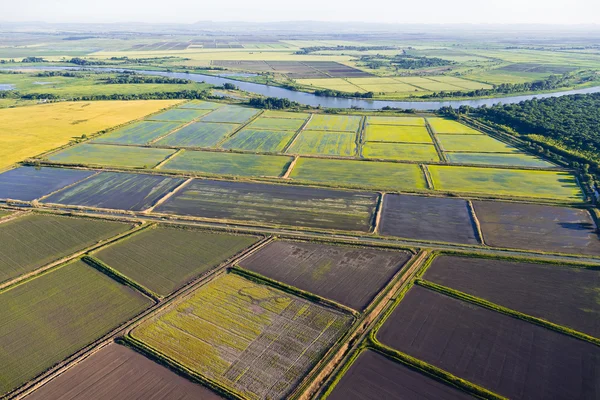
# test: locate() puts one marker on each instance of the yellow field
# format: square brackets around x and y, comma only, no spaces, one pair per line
[29,131]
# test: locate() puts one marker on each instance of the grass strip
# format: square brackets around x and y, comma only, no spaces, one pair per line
[506,311]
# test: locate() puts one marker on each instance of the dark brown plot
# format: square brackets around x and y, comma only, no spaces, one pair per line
[375,377]
[117,372]
[563,295]
[537,227]
[508,356]
[349,275]
[427,218]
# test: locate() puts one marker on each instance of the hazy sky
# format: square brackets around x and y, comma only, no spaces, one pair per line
[392,11]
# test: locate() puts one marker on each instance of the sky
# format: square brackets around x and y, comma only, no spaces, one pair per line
[390,11]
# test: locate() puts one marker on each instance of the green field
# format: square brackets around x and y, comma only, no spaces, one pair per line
[231,114]
[218,163]
[324,143]
[32,241]
[53,316]
[442,125]
[108,155]
[201,105]
[554,185]
[416,121]
[361,174]
[259,140]
[338,123]
[183,115]
[4,213]
[164,259]
[400,151]
[392,133]
[478,144]
[253,339]
[284,114]
[198,134]
[514,159]
[276,124]
[138,133]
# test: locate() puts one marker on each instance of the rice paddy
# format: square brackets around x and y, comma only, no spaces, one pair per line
[182,115]
[108,155]
[198,134]
[324,143]
[138,133]
[230,114]
[259,140]
[400,133]
[338,123]
[471,143]
[441,125]
[400,151]
[277,124]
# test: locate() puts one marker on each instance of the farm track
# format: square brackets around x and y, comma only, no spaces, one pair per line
[476,223]
[290,168]
[126,327]
[293,139]
[13,216]
[168,158]
[239,128]
[436,143]
[168,196]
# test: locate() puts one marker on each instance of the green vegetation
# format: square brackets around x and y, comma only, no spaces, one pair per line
[183,115]
[338,123]
[201,105]
[441,125]
[284,114]
[108,155]
[324,143]
[228,163]
[416,121]
[400,151]
[230,114]
[198,134]
[468,143]
[508,159]
[259,140]
[276,124]
[138,133]
[401,133]
[53,316]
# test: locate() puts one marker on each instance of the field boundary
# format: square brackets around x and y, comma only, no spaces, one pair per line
[290,167]
[293,139]
[475,223]
[167,196]
[168,158]
[436,143]
[239,128]
[377,214]
[66,187]
[427,175]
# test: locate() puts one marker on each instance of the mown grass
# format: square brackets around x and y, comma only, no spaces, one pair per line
[400,151]
[139,133]
[326,143]
[52,316]
[442,125]
[557,185]
[479,143]
[198,134]
[109,155]
[259,140]
[31,130]
[510,159]
[392,133]
[338,123]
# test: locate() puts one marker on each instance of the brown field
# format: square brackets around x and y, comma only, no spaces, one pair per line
[506,355]
[117,372]
[349,275]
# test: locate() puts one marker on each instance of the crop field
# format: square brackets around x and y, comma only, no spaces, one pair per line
[404,121]
[164,259]
[400,133]
[400,151]
[109,155]
[437,219]
[276,124]
[555,185]
[375,175]
[488,348]
[138,133]
[479,143]
[373,376]
[274,204]
[538,227]
[260,140]
[52,316]
[198,134]
[181,115]
[40,128]
[30,183]
[560,294]
[4,213]
[256,340]
[284,114]
[229,163]
[120,191]
[337,123]
[200,105]
[327,143]
[32,241]
[118,372]
[441,125]
[511,159]
[339,84]
[348,275]
[285,64]
[231,114]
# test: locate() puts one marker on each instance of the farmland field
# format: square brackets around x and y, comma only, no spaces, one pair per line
[538,227]
[118,372]
[512,159]
[376,175]
[255,340]
[5,213]
[506,182]
[36,129]
[201,105]
[229,163]
[373,376]
[109,155]
[274,204]
[277,124]
[349,275]
[479,144]
[116,190]
[427,218]
[284,114]
[560,294]
[324,143]
[198,134]
[337,123]
[231,114]
[259,140]
[164,259]
[139,133]
[416,121]
[400,151]
[31,241]
[400,133]
[182,115]
[52,316]
[441,125]
[488,348]
[30,183]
